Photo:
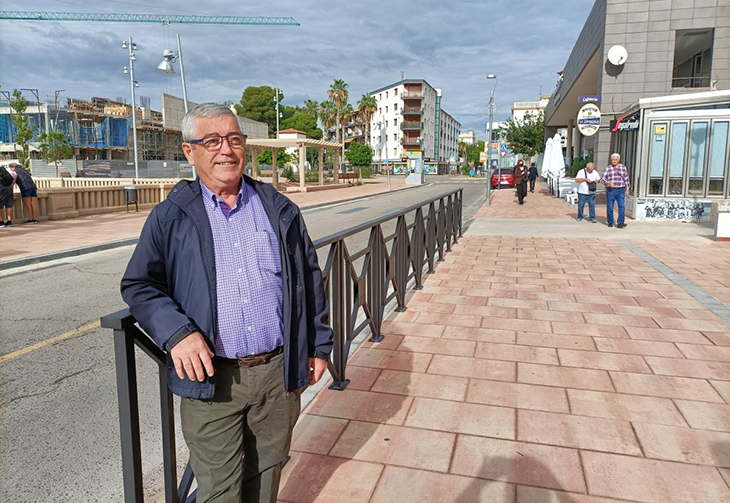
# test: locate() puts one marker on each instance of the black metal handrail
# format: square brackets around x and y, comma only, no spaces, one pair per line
[389,264]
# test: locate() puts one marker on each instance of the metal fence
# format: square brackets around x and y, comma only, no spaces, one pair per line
[360,284]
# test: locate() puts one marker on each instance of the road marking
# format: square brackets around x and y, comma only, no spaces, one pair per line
[52,340]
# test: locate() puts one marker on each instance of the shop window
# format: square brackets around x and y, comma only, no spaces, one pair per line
[386,107]
[692,58]
[656,161]
[695,185]
[677,151]
[718,159]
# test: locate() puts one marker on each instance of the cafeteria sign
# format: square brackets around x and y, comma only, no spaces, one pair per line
[589,118]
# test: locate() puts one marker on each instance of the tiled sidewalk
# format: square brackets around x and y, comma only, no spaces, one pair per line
[534,370]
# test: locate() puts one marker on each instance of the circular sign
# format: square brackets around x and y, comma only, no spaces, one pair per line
[589,119]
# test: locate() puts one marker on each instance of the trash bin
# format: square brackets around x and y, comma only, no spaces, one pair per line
[722,226]
[130,197]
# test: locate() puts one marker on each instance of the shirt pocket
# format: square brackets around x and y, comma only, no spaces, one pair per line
[266,248]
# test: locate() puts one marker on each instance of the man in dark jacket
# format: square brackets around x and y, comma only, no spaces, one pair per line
[225,277]
[28,191]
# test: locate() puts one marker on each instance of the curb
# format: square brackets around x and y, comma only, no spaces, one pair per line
[74,252]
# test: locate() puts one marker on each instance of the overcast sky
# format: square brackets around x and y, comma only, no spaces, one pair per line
[452,44]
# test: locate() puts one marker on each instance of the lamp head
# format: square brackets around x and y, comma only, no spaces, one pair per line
[124,44]
[126,70]
[491,76]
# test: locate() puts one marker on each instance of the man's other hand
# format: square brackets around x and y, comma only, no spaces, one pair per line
[192,356]
[317,366]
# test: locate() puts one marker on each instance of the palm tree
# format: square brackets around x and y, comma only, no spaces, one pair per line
[346,115]
[338,94]
[327,116]
[311,107]
[367,107]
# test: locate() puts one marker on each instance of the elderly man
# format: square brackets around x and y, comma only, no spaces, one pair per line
[616,179]
[587,179]
[28,191]
[225,277]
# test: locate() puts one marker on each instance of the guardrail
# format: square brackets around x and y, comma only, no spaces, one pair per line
[389,263]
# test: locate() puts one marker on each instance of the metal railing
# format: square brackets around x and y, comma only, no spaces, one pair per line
[687,82]
[359,285]
[412,95]
[410,126]
[411,110]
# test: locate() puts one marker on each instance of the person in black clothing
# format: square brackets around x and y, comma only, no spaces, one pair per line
[28,191]
[532,176]
[521,181]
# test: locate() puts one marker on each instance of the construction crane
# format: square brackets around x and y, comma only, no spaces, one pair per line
[147,18]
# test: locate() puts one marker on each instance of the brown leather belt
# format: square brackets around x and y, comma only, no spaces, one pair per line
[251,361]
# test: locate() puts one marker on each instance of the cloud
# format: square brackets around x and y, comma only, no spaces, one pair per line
[453,45]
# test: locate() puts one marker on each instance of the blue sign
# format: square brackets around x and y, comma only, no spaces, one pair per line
[589,99]
[503,147]
[594,121]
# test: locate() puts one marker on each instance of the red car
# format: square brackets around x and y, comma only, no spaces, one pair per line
[503,178]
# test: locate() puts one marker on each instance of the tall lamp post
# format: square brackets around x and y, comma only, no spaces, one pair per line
[168,57]
[131,46]
[488,167]
[278,115]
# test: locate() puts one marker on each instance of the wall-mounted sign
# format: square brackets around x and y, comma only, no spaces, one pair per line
[660,131]
[589,119]
[589,99]
[631,124]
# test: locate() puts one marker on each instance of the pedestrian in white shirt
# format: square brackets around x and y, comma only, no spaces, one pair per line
[587,178]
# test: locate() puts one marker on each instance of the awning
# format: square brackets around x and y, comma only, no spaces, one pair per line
[270,143]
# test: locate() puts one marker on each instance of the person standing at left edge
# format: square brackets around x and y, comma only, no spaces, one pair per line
[226,279]
[616,179]
[520,174]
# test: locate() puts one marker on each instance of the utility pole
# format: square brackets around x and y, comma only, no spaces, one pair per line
[276,99]
[132,84]
[488,169]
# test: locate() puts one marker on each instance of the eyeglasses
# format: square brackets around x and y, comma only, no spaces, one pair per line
[214,143]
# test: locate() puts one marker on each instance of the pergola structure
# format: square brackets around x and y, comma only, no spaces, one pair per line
[256,145]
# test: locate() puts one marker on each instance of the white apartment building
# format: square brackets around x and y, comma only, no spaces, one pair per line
[522,108]
[409,118]
[468,137]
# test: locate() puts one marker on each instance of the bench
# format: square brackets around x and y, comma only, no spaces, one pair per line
[347,176]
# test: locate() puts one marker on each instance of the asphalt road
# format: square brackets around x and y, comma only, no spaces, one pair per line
[59,427]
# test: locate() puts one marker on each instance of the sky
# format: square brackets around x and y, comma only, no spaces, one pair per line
[452,44]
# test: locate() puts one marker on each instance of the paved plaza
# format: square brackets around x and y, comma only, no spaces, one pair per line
[538,368]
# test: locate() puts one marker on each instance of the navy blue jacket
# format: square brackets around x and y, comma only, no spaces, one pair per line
[170,283]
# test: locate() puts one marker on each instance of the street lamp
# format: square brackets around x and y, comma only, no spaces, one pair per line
[131,46]
[488,167]
[278,115]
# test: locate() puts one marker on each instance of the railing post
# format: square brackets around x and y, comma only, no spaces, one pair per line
[339,351]
[376,282]
[169,464]
[417,249]
[449,227]
[461,207]
[401,264]
[128,415]
[431,238]
[440,232]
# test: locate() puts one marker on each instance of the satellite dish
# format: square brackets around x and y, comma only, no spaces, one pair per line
[617,55]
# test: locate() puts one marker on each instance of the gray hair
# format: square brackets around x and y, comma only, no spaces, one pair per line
[615,154]
[203,110]
[590,164]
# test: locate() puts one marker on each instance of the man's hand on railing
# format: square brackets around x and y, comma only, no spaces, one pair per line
[192,356]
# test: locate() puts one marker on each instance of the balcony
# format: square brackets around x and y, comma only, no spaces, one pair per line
[413,95]
[410,126]
[411,111]
[410,141]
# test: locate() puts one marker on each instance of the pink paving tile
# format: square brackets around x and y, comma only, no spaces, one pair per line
[584,329]
[698,314]
[515,353]
[479,368]
[705,416]
[480,334]
[403,317]
[665,335]
[633,347]
[689,368]
[438,346]
[361,405]
[647,311]
[307,478]
[441,289]
[517,462]
[425,385]
[611,300]
[702,325]
[722,387]
[390,342]
[395,445]
[652,481]
[725,472]
[580,432]
[431,307]
[518,325]
[603,361]
[664,386]
[521,396]
[705,352]
[316,434]
[719,338]
[399,328]
[621,320]
[556,341]
[527,494]
[580,307]
[457,320]
[458,417]
[361,378]
[624,407]
[549,375]
[404,485]
[395,360]
[683,444]
[555,297]
[670,303]
[497,312]
[518,303]
[459,299]
[488,293]
[537,314]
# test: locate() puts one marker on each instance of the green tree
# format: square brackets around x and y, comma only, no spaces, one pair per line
[525,137]
[54,147]
[257,103]
[338,94]
[360,156]
[23,133]
[327,115]
[303,122]
[472,152]
[266,157]
[367,107]
[311,107]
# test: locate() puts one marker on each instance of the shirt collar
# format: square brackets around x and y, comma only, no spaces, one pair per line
[213,200]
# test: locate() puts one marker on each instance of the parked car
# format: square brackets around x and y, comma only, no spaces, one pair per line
[503,178]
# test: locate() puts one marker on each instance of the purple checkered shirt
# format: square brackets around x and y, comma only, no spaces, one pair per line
[618,176]
[248,275]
